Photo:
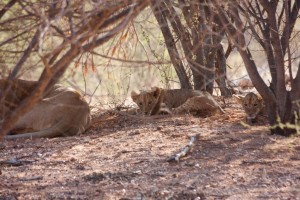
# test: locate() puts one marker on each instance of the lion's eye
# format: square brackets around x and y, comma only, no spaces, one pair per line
[140,103]
[150,102]
[255,104]
[245,104]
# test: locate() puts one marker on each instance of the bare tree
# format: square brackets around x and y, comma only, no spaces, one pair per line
[55,33]
[271,23]
[199,36]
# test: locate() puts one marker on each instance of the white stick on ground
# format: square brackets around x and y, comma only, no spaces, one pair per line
[185,150]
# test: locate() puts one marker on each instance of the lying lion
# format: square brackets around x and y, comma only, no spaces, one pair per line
[60,112]
[177,101]
[252,104]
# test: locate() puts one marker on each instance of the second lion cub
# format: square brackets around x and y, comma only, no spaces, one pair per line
[178,101]
[252,104]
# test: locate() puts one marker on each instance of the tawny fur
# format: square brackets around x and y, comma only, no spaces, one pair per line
[252,104]
[177,101]
[245,84]
[61,111]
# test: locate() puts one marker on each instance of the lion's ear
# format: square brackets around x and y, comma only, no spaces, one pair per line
[239,98]
[261,101]
[153,89]
[134,95]
[156,92]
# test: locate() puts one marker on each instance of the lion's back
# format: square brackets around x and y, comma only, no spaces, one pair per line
[176,97]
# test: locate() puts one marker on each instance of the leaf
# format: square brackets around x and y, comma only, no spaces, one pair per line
[77,63]
[85,69]
[93,64]
[123,37]
[114,50]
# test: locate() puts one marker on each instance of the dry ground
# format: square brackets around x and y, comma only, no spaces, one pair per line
[124,157]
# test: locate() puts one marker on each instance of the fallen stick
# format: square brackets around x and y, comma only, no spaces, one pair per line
[185,150]
[34,178]
[259,161]
[15,162]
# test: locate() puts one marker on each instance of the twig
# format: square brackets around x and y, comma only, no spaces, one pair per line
[259,161]
[15,162]
[185,150]
[7,7]
[32,178]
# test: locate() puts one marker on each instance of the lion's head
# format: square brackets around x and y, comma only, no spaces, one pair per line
[148,101]
[252,104]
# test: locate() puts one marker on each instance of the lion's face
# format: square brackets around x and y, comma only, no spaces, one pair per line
[252,105]
[146,100]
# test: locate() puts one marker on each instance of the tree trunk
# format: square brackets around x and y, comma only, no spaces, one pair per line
[171,46]
[220,66]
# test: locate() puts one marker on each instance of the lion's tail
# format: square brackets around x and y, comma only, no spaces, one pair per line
[59,129]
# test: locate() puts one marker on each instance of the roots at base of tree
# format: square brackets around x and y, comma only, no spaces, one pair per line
[283,131]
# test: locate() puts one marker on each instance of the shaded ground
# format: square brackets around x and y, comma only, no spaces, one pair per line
[124,157]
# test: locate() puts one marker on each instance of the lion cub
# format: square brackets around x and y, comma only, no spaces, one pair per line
[178,101]
[252,104]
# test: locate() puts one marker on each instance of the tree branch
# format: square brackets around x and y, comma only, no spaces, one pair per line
[25,55]
[7,7]
[293,16]
[237,37]
[170,43]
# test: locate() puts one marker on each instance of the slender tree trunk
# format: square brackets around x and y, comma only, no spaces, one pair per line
[198,30]
[171,46]
[220,66]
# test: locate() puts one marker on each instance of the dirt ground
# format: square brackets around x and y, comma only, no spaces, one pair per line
[124,157]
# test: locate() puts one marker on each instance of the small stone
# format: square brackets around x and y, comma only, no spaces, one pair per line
[136,132]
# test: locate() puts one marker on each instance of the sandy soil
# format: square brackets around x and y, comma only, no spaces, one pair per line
[123,157]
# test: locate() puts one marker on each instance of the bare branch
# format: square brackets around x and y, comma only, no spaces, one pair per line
[291,24]
[25,55]
[10,4]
